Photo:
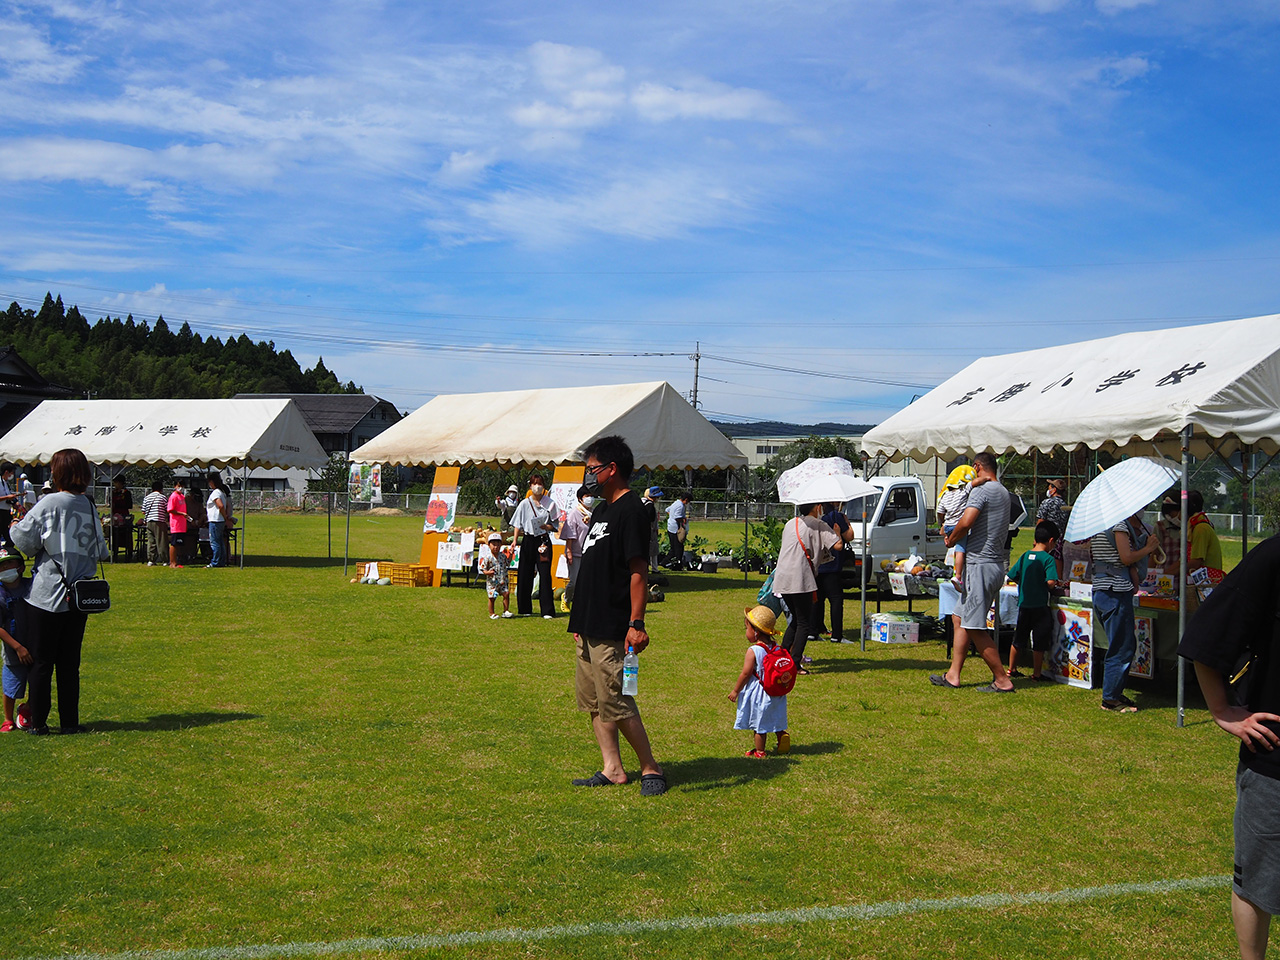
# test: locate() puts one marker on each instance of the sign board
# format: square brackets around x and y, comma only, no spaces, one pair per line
[1144,660]
[468,544]
[364,482]
[449,555]
[898,583]
[442,510]
[1070,659]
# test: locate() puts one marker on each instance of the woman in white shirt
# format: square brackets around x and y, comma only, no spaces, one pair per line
[218,508]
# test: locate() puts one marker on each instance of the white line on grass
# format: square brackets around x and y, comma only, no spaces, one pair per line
[868,911]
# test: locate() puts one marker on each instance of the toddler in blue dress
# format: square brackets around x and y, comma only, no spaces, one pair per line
[757,710]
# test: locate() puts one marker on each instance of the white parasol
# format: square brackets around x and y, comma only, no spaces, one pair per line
[822,480]
[1119,493]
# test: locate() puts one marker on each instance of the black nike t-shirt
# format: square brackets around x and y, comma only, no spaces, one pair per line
[617,533]
[1239,620]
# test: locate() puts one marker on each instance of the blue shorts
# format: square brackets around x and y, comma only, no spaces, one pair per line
[15,680]
[958,547]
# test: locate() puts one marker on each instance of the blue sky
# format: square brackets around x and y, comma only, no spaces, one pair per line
[451,197]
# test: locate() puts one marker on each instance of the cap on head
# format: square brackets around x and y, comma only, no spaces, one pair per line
[7,556]
[513,489]
[495,537]
[654,493]
[763,619]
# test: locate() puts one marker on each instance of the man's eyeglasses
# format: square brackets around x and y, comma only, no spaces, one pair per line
[598,467]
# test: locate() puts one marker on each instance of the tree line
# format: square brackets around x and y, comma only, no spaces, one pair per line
[132,359]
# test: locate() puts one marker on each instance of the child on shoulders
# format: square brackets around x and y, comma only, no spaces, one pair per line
[757,710]
[1035,573]
[495,565]
[17,658]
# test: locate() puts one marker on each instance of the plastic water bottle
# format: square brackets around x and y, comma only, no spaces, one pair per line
[630,673]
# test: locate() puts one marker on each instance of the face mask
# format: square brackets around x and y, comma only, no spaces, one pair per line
[537,489]
[588,502]
[10,575]
[591,482]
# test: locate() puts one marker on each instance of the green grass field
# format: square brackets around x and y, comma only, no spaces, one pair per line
[280,757]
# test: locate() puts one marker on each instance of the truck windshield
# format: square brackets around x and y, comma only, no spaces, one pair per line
[853,508]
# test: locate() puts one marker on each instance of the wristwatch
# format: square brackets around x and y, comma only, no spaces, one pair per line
[635,624]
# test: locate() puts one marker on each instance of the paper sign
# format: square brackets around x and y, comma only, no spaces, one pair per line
[565,497]
[898,583]
[1144,660]
[442,508]
[448,555]
[468,545]
[364,483]
[1070,659]
[1080,570]
[1081,591]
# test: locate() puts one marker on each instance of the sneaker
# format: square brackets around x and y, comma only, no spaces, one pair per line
[507,614]
[151,563]
[39,731]
[837,640]
[806,659]
[8,727]
[547,616]
[957,584]
[493,616]
[22,716]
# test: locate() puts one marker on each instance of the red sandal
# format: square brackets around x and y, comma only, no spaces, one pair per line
[756,754]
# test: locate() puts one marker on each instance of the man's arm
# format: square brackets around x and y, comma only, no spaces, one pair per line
[1250,728]
[967,520]
[639,567]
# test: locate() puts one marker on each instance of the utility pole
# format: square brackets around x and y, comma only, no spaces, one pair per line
[697,356]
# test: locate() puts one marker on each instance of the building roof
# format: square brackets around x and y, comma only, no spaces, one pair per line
[327,412]
[19,378]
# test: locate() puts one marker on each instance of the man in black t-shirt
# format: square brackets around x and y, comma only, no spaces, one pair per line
[607,616]
[1238,624]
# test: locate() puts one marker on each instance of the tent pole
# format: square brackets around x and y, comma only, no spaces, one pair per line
[346,547]
[1182,574]
[862,592]
[1246,462]
[746,521]
[329,505]
[244,509]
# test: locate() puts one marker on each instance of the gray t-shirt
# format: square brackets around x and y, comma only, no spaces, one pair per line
[989,532]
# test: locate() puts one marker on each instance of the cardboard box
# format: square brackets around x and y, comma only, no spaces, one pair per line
[884,630]
[1081,591]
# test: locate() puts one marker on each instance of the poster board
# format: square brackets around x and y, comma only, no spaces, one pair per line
[1070,659]
[564,492]
[448,555]
[1144,657]
[444,493]
[364,482]
[898,584]
[468,543]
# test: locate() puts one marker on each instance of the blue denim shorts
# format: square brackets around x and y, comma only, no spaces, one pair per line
[15,680]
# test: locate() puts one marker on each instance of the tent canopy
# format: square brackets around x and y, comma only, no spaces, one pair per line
[554,426]
[1132,393]
[216,433]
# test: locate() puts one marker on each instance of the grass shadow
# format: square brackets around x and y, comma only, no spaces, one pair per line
[266,560]
[719,773]
[172,721]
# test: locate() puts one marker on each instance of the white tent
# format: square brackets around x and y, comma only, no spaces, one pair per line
[1135,393]
[214,433]
[553,426]
[1210,388]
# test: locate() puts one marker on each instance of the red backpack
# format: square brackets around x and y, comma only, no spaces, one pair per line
[777,671]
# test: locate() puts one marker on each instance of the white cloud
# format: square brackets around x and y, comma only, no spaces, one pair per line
[30,57]
[1117,71]
[654,205]
[1112,7]
[705,100]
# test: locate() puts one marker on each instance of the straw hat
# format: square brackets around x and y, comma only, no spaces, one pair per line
[1059,485]
[763,619]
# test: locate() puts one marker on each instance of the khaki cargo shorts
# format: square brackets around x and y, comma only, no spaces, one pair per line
[598,680]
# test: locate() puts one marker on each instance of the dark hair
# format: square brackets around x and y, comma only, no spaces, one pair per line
[119,478]
[583,492]
[537,478]
[1195,501]
[807,508]
[1047,530]
[686,495]
[612,450]
[69,470]
[987,461]
[215,480]
[157,485]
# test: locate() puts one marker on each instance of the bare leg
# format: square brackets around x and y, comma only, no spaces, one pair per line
[611,757]
[8,710]
[633,729]
[1037,663]
[990,654]
[1252,927]
[959,650]
[762,740]
[1013,659]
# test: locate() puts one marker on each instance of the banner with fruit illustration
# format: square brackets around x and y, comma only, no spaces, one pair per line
[442,508]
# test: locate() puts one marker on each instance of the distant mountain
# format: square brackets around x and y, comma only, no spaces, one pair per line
[775,428]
